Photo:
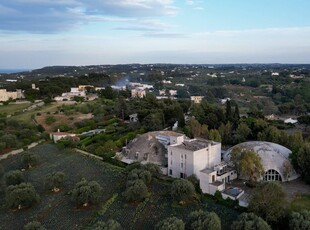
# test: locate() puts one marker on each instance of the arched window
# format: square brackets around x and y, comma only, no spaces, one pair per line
[272,175]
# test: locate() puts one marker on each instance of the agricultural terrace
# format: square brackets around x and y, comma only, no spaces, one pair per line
[56,211]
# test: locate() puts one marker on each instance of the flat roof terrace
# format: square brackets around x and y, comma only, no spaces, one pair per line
[195,144]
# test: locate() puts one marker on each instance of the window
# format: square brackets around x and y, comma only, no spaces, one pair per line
[181,175]
[182,156]
[181,165]
[185,156]
[272,175]
[170,172]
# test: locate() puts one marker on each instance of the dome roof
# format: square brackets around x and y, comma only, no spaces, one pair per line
[273,157]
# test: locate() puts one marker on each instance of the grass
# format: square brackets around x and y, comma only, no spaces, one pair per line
[302,201]
[12,108]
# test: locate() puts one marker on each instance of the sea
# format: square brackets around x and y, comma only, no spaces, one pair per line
[12,70]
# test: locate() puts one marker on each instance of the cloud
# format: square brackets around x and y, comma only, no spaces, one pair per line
[50,16]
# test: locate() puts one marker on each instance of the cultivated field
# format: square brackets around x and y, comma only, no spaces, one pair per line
[56,211]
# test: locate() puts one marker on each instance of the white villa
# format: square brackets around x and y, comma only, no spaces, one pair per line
[7,95]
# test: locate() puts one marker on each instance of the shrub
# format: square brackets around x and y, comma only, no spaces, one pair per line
[144,175]
[300,220]
[86,192]
[34,225]
[182,189]
[14,177]
[50,120]
[21,196]
[171,223]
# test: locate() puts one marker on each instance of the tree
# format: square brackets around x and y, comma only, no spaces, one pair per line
[225,132]
[54,181]
[34,225]
[249,221]
[236,115]
[201,220]
[109,225]
[214,135]
[247,164]
[228,111]
[305,119]
[86,192]
[29,159]
[287,169]
[171,223]
[269,201]
[182,189]
[300,220]
[243,131]
[136,190]
[136,174]
[303,160]
[14,177]
[21,196]
[153,169]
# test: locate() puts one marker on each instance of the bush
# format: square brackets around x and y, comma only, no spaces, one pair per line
[182,189]
[136,190]
[171,223]
[54,181]
[21,196]
[34,225]
[85,193]
[194,180]
[153,169]
[29,159]
[14,177]
[50,120]
[1,171]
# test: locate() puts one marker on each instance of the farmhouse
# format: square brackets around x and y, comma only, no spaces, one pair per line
[197,99]
[56,136]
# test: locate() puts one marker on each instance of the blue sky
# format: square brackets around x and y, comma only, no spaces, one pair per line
[37,33]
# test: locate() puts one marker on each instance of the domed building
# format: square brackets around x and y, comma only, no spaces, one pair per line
[274,157]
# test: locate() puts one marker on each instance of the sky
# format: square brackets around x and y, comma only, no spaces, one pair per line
[38,33]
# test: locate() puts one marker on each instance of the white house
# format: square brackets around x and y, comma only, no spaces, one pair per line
[191,156]
[290,121]
[197,99]
[7,95]
[56,136]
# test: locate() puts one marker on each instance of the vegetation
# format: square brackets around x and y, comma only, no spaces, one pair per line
[248,164]
[300,220]
[21,196]
[249,221]
[29,159]
[203,220]
[269,201]
[86,193]
[182,190]
[172,223]
[14,177]
[54,181]
[34,225]
[109,225]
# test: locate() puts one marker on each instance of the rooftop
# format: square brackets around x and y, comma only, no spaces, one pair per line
[195,144]
[233,191]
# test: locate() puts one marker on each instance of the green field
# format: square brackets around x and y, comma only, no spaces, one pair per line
[12,108]
[56,211]
[301,202]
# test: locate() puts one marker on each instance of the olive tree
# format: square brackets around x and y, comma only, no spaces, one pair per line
[300,220]
[109,225]
[54,181]
[171,223]
[34,225]
[200,220]
[269,201]
[29,159]
[141,174]
[86,192]
[136,190]
[182,189]
[249,221]
[21,196]
[14,177]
